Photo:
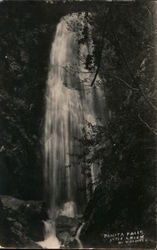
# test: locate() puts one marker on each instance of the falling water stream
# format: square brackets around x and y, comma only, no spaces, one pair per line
[64,120]
[63,123]
[77,237]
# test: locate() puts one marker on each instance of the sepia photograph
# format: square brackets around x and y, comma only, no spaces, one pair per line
[78,131]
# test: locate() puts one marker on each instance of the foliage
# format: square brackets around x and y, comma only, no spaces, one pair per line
[125,146]
[23,73]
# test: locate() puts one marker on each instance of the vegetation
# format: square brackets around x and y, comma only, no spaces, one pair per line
[125,146]
[124,199]
[23,75]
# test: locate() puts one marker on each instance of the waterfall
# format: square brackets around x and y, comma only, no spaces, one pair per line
[63,123]
[68,104]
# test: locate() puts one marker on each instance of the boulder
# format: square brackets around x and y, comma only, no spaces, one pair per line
[64,223]
[21,222]
[65,238]
[66,228]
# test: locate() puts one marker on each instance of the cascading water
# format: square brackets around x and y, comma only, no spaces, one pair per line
[77,237]
[65,97]
[63,123]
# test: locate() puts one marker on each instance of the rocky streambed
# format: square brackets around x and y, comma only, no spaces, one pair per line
[22,224]
[66,231]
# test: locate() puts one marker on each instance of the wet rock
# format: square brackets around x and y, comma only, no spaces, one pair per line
[73,244]
[21,222]
[65,238]
[66,224]
[66,228]
[3,224]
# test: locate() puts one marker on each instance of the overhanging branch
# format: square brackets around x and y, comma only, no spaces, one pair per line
[101,47]
[147,125]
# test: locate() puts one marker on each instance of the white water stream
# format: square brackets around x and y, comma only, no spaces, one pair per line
[67,105]
[63,122]
[78,235]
